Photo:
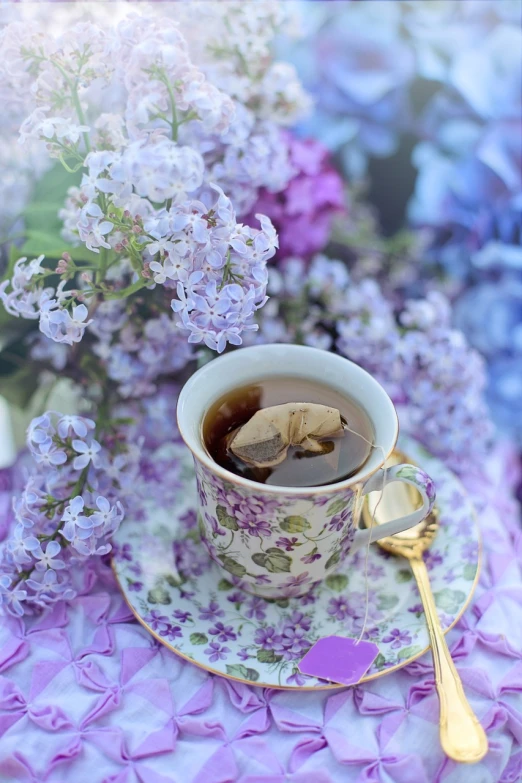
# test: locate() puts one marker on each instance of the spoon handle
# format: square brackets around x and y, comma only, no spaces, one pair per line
[461,735]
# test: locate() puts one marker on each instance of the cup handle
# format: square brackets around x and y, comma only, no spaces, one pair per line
[410,474]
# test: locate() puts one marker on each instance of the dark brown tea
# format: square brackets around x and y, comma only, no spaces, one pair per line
[340,458]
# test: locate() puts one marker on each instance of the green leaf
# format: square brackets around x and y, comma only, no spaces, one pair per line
[277,561]
[123,293]
[274,560]
[268,656]
[225,520]
[158,595]
[14,255]
[387,601]
[404,575]
[409,652]
[53,246]
[379,661]
[54,185]
[449,600]
[470,570]
[172,580]
[19,387]
[295,524]
[337,582]
[242,672]
[333,559]
[282,602]
[198,638]
[232,566]
[337,506]
[224,584]
[43,216]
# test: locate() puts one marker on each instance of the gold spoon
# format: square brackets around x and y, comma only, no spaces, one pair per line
[461,735]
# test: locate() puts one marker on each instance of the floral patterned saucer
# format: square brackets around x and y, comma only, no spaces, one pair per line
[193,607]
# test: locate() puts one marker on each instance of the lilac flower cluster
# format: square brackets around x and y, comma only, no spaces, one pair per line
[469,185]
[435,379]
[76,494]
[304,211]
[29,298]
[136,352]
[234,49]
[156,136]
[66,513]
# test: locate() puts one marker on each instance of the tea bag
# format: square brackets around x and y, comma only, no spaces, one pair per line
[265,439]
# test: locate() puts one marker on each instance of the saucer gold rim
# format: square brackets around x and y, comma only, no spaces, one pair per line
[333,686]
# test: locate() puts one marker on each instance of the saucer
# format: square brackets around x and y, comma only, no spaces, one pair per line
[194,608]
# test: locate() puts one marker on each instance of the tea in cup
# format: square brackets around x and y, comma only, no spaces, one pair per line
[282,522]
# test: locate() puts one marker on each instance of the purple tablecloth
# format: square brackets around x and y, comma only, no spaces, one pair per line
[87,696]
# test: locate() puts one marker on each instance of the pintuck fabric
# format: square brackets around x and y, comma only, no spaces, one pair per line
[88,696]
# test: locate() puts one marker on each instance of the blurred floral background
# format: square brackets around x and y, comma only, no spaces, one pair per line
[421,103]
[342,174]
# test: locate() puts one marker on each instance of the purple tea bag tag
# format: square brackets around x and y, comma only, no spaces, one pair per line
[339,659]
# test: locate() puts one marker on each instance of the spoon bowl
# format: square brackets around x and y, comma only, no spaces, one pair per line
[461,735]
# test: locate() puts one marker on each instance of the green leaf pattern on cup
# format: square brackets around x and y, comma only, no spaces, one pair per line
[197,607]
[294,524]
[252,533]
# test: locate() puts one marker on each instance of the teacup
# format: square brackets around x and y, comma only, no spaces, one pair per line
[277,541]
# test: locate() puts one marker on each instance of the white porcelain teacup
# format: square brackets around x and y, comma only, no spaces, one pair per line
[280,541]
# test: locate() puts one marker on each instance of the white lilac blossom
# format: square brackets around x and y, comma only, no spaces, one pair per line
[232,45]
[432,374]
[38,66]
[20,167]
[67,512]
[24,295]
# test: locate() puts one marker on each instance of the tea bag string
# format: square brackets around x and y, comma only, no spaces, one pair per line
[367,553]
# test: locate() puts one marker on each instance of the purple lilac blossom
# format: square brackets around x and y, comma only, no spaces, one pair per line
[303,213]
[423,362]
[155,160]
[34,574]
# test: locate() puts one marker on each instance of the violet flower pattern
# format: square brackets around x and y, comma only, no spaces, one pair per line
[255,534]
[202,610]
[258,537]
[209,613]
[255,527]
[397,638]
[223,633]
[216,652]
